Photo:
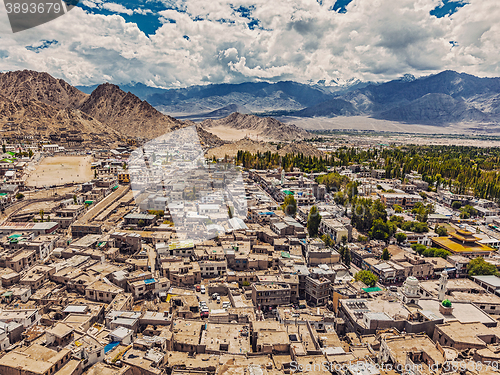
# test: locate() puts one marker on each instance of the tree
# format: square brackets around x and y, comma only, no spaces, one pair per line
[95,173]
[378,210]
[141,223]
[467,212]
[4,150]
[441,231]
[19,196]
[74,198]
[397,208]
[313,221]
[41,214]
[366,277]
[382,230]
[347,257]
[400,237]
[456,205]
[340,198]
[422,211]
[419,248]
[479,266]
[362,238]
[289,206]
[30,153]
[385,254]
[327,240]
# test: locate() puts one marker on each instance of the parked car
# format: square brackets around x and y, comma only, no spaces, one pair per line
[218,299]
[202,289]
[198,288]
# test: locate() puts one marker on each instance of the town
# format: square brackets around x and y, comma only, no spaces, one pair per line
[151,258]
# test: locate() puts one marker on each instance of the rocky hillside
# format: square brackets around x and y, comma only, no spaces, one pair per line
[33,117]
[37,103]
[265,127]
[300,148]
[28,85]
[126,113]
[435,109]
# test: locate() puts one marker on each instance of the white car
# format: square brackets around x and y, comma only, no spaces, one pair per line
[203,289]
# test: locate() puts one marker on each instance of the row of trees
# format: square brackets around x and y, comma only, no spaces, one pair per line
[463,169]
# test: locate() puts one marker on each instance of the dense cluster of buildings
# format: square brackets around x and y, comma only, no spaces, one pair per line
[175,266]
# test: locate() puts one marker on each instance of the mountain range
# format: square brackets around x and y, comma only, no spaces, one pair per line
[439,99]
[35,103]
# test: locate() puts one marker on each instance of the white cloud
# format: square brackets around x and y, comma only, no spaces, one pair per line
[295,39]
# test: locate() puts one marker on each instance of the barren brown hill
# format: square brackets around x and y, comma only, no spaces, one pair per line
[33,117]
[207,139]
[126,113]
[264,127]
[28,85]
[300,148]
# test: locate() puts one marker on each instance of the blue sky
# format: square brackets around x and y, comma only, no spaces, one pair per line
[175,43]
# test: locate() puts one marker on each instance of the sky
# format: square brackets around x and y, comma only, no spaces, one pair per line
[178,43]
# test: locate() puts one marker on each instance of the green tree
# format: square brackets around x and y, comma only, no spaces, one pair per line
[289,206]
[382,230]
[362,238]
[74,198]
[479,266]
[41,214]
[441,231]
[467,212]
[340,198]
[456,205]
[19,196]
[4,150]
[30,153]
[385,254]
[366,277]
[141,223]
[400,237]
[347,257]
[397,208]
[419,248]
[327,240]
[313,221]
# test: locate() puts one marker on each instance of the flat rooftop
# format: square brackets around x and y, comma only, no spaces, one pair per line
[462,311]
